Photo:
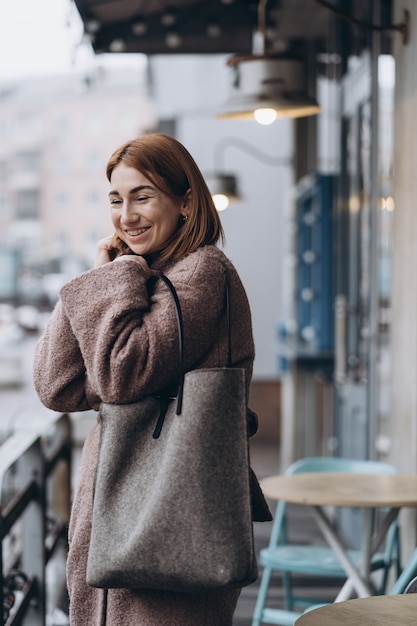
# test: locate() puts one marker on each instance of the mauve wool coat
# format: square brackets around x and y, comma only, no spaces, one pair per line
[112,337]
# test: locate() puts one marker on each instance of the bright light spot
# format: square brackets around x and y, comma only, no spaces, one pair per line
[388,204]
[221,201]
[265,116]
[354,204]
[117,45]
[308,333]
[386,71]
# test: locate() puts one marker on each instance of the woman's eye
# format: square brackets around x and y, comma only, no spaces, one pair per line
[115,201]
[142,198]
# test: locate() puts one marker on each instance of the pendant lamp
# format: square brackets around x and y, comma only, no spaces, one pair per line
[223,188]
[267,87]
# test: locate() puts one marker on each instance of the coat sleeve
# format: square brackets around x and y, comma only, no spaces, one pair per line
[59,372]
[126,329]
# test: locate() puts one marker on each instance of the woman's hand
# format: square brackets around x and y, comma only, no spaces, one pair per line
[109,249]
[112,248]
[134,258]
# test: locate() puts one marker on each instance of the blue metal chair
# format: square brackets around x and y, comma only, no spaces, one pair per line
[286,558]
[405,583]
[412,586]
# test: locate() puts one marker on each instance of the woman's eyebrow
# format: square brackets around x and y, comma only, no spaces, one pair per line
[114,192]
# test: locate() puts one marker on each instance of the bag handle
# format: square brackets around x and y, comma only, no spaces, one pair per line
[229,321]
[180,323]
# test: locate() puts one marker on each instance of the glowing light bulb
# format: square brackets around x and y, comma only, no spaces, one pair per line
[265,116]
[390,204]
[221,201]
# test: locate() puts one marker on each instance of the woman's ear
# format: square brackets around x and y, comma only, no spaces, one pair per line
[186,200]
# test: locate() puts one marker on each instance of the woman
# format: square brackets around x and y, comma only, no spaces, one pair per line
[112,338]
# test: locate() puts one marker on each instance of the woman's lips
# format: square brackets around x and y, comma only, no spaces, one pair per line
[136,232]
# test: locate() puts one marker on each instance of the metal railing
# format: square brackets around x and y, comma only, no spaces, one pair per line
[35,493]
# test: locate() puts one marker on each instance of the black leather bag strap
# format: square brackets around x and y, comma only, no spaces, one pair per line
[229,321]
[165,400]
[180,324]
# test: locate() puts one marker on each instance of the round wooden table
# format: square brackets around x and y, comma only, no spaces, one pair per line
[345,489]
[374,611]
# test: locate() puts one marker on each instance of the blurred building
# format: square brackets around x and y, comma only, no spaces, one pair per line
[56,135]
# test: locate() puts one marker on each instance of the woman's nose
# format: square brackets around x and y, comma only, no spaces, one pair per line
[129,214]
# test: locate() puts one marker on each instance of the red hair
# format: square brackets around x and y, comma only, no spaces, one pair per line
[172,169]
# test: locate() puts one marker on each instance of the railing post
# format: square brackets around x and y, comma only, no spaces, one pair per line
[33,535]
[22,503]
[57,448]
[35,483]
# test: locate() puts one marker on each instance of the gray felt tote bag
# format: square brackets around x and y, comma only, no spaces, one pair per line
[172,507]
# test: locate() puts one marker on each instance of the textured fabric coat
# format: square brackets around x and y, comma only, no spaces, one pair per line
[112,337]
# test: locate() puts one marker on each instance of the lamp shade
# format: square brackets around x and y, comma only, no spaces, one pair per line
[223,189]
[267,82]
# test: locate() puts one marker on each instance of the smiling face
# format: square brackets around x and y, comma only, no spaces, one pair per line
[143,217]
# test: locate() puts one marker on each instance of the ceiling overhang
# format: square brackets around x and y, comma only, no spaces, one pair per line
[158,27]
[197,26]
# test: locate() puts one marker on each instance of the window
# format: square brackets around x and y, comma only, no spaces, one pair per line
[95,162]
[94,200]
[62,240]
[28,161]
[62,163]
[4,168]
[62,200]
[4,129]
[4,206]
[63,125]
[28,125]
[27,204]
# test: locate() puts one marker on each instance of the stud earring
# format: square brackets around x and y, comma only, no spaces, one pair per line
[184,217]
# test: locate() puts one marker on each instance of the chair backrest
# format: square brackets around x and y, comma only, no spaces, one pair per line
[412,586]
[324,464]
[407,576]
[335,464]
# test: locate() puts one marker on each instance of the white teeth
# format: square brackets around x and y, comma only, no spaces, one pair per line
[133,233]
